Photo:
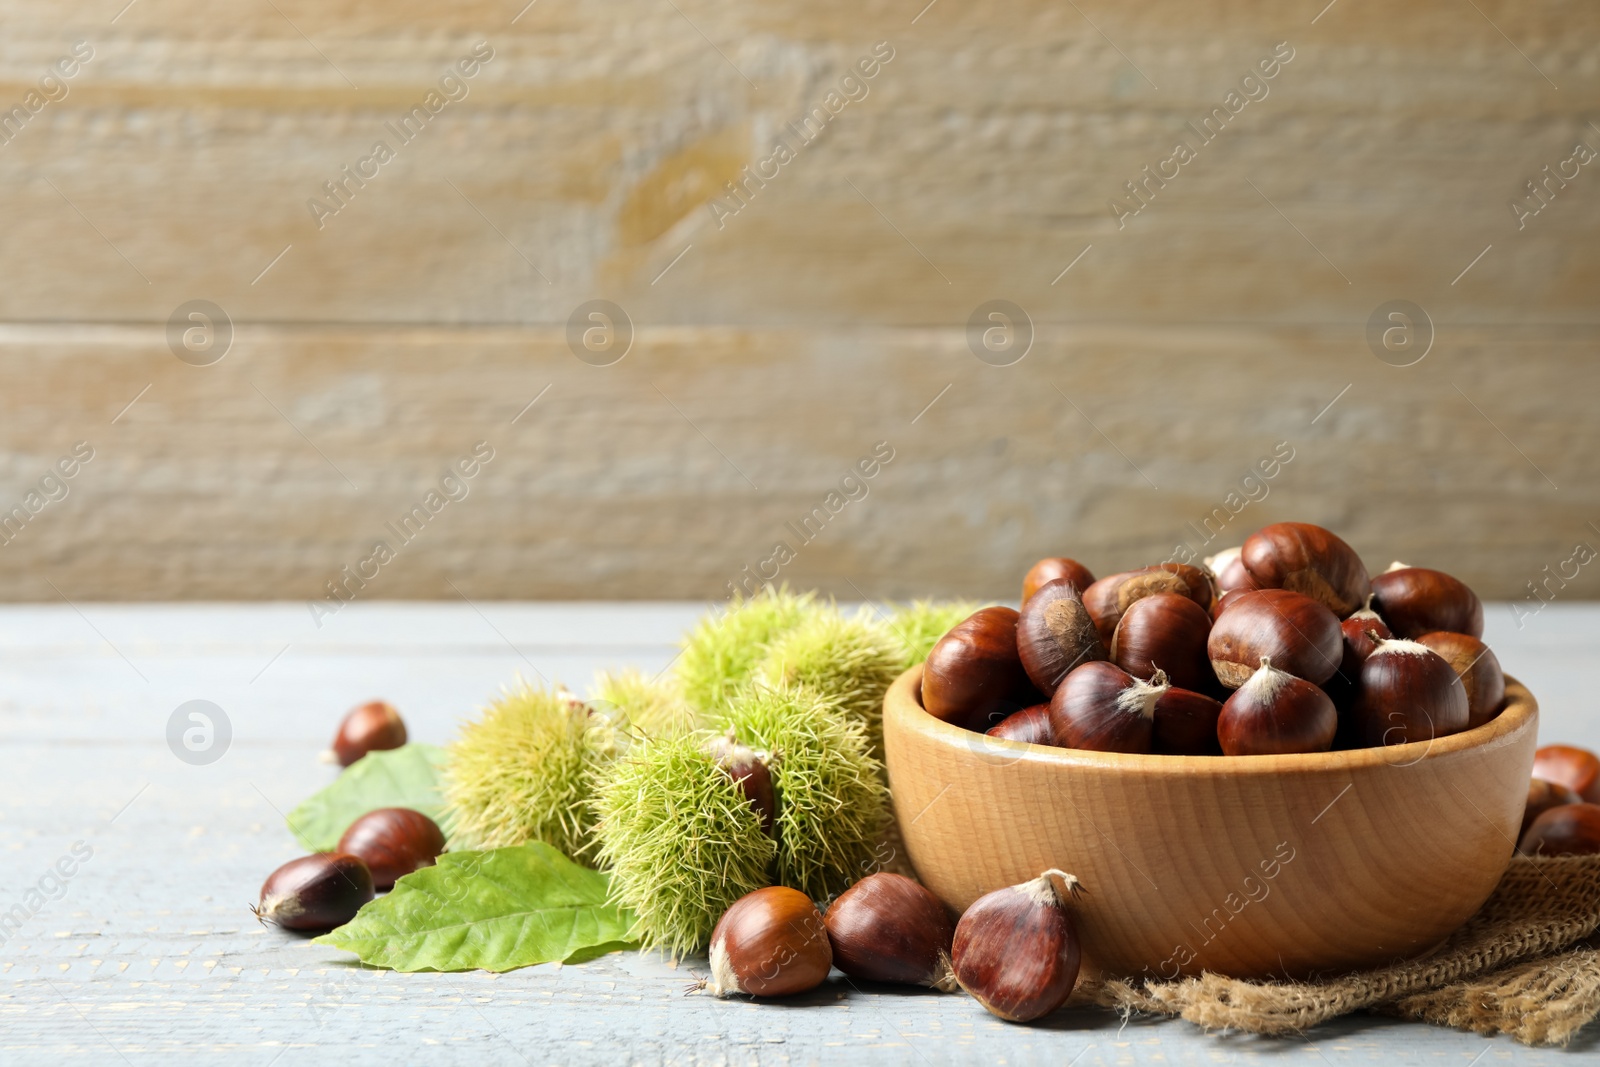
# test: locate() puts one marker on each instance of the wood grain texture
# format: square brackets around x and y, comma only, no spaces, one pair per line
[1245,865]
[777,344]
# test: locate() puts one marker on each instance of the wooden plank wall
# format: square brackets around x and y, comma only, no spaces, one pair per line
[779,336]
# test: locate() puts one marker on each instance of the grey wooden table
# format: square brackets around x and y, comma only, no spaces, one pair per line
[148,954]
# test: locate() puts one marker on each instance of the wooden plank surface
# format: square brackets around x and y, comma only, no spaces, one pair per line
[774,345]
[151,956]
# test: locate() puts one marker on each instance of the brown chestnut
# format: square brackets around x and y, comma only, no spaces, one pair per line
[1542,796]
[769,943]
[1165,632]
[1108,598]
[1415,601]
[371,727]
[1300,635]
[1031,725]
[974,670]
[1228,571]
[887,928]
[315,893]
[1052,568]
[1016,950]
[1307,559]
[1406,692]
[1478,668]
[1360,633]
[750,772]
[1186,724]
[1055,634]
[393,842]
[1275,713]
[1102,707]
[1576,768]
[1568,830]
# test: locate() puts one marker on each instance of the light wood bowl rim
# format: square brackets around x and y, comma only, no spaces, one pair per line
[1519,711]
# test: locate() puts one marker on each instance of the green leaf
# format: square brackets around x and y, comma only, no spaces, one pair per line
[496,910]
[405,777]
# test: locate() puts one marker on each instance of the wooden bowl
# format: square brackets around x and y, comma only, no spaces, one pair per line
[1244,865]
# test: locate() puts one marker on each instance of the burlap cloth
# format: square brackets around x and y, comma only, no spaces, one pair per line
[1520,966]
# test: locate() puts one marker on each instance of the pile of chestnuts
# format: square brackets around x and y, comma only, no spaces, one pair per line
[1016,950]
[1563,813]
[318,892]
[1285,644]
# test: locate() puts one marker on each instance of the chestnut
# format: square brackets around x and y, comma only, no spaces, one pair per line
[1360,633]
[1542,796]
[371,727]
[887,928]
[1108,598]
[1052,568]
[315,893]
[1300,635]
[1568,830]
[974,669]
[1275,713]
[1102,707]
[393,842]
[1576,768]
[1186,724]
[769,943]
[1031,725]
[1307,559]
[1016,950]
[1407,692]
[1230,597]
[1165,632]
[1415,601]
[1478,668]
[750,772]
[1228,571]
[1055,634]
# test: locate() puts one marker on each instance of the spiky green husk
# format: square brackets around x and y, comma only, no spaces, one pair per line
[832,802]
[721,652]
[525,772]
[851,659]
[682,842]
[919,625]
[644,707]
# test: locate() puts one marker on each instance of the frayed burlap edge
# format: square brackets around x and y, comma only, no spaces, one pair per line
[1506,971]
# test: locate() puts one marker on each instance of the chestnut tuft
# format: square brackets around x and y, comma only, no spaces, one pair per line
[1542,796]
[1016,950]
[750,772]
[1300,635]
[1406,692]
[315,893]
[1415,601]
[974,670]
[1303,558]
[1165,632]
[887,928]
[372,727]
[1052,568]
[769,943]
[1479,669]
[1186,724]
[1576,768]
[1275,713]
[1056,634]
[1031,725]
[1568,830]
[1102,707]
[393,842]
